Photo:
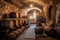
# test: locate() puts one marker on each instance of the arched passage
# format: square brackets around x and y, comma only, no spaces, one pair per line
[32,13]
[58,14]
[25,11]
[50,12]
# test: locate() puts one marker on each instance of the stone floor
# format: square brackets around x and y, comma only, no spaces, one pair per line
[30,35]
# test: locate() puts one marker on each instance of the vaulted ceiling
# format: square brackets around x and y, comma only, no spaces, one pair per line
[10,1]
[20,2]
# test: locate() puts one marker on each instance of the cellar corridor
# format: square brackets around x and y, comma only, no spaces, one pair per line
[28,34]
[29,19]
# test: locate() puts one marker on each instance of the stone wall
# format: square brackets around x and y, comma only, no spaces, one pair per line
[58,14]
[7,7]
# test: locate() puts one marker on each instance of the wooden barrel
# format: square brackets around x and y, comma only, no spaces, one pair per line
[12,25]
[16,32]
[39,30]
[17,15]
[17,24]
[2,25]
[20,31]
[6,24]
[9,24]
[12,36]
[4,16]
[20,22]
[23,28]
[52,33]
[12,15]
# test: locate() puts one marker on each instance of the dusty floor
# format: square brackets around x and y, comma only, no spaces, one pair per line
[30,35]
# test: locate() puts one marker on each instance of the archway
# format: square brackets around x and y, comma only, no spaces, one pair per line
[58,14]
[32,16]
[32,13]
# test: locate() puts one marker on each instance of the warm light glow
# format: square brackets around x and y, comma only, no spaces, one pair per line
[25,13]
[30,17]
[31,5]
[34,14]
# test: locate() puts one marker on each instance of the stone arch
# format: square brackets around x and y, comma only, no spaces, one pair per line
[57,13]
[29,9]
[33,9]
[50,11]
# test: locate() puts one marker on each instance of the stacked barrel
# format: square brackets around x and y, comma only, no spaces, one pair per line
[13,25]
[39,29]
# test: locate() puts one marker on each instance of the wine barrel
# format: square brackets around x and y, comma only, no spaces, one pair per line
[21,22]
[12,15]
[23,28]
[17,24]
[11,24]
[16,32]
[2,25]
[6,24]
[52,33]
[4,16]
[20,31]
[39,30]
[17,15]
[12,36]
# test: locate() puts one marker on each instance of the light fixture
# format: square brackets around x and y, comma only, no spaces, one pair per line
[31,5]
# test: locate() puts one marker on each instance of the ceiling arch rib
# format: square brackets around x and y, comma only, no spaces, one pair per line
[25,11]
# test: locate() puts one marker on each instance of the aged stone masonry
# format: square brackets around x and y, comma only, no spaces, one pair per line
[17,16]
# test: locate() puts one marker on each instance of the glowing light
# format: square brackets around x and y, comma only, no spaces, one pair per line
[34,15]
[25,13]
[31,5]
[30,17]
